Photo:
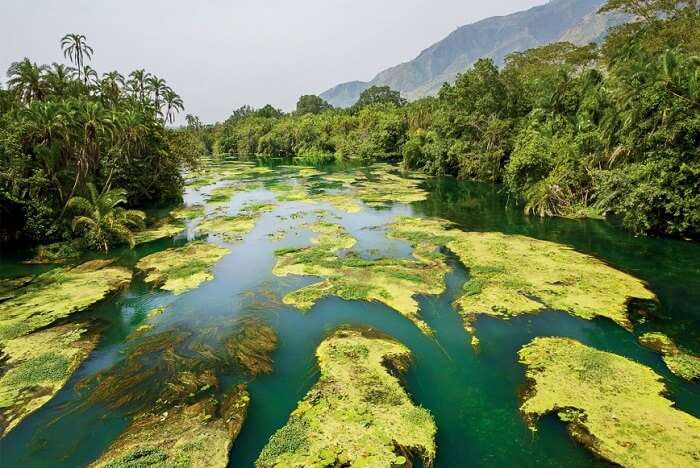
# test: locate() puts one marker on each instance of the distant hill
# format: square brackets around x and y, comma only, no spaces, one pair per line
[559,20]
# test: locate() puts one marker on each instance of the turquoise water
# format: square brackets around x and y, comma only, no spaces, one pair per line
[474,395]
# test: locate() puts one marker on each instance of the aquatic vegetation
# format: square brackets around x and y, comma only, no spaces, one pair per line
[386,188]
[381,186]
[250,346]
[58,293]
[230,171]
[296,195]
[511,275]
[229,228]
[357,414]
[181,414]
[36,366]
[147,325]
[391,281]
[10,287]
[222,195]
[257,208]
[180,269]
[161,230]
[310,172]
[681,363]
[278,235]
[59,252]
[198,432]
[188,213]
[344,178]
[341,202]
[612,405]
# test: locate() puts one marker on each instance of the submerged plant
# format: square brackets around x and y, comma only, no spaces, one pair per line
[182,413]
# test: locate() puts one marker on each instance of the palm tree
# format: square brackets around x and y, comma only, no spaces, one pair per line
[137,82]
[90,77]
[26,79]
[156,86]
[76,49]
[47,131]
[173,104]
[58,79]
[102,221]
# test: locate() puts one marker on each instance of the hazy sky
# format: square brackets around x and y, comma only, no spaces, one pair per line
[221,54]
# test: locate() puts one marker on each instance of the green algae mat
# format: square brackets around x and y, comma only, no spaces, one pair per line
[611,404]
[357,414]
[294,316]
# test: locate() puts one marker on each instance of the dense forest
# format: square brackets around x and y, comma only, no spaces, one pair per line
[77,149]
[609,129]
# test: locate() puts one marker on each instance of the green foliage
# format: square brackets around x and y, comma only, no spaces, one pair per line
[379,95]
[311,104]
[101,222]
[62,128]
[570,131]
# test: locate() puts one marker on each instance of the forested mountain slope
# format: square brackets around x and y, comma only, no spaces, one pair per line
[576,21]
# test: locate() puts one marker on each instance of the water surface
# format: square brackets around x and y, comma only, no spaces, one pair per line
[474,395]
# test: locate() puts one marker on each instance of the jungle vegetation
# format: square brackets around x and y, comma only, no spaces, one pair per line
[77,149]
[609,129]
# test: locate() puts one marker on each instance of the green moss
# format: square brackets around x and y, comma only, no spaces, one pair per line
[612,405]
[229,228]
[357,414]
[59,252]
[164,229]
[513,275]
[256,208]
[680,362]
[58,293]
[36,367]
[393,282]
[11,287]
[184,268]
[188,213]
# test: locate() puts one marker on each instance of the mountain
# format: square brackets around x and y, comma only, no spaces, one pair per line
[576,21]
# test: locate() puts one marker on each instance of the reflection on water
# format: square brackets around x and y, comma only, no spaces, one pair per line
[473,395]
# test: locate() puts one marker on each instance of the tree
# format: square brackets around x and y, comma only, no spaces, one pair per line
[111,86]
[269,112]
[649,10]
[157,86]
[173,104]
[137,83]
[26,79]
[311,104]
[380,95]
[76,49]
[90,76]
[101,220]
[58,79]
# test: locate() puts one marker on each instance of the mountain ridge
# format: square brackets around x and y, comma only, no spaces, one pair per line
[495,37]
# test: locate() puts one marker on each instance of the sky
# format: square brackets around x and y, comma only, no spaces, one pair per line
[222,54]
